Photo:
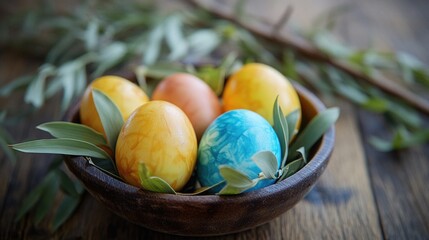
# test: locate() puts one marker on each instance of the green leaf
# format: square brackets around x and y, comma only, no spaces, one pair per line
[202,42]
[67,184]
[140,72]
[201,190]
[91,35]
[294,166]
[214,77]
[326,42]
[314,130]
[174,38]
[60,47]
[61,146]
[376,105]
[235,178]
[110,56]
[105,166]
[405,115]
[289,65]
[80,81]
[35,91]
[33,197]
[110,116]
[5,140]
[153,45]
[73,131]
[230,64]
[46,200]
[162,70]
[236,181]
[303,154]
[16,84]
[267,162]
[232,190]
[281,129]
[401,140]
[153,183]
[291,120]
[65,211]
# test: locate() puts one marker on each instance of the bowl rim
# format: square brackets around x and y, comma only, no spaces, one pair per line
[320,157]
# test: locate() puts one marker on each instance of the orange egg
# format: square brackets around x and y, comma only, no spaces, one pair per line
[193,96]
[126,95]
[161,136]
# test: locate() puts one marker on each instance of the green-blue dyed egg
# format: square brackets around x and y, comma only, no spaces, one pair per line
[232,139]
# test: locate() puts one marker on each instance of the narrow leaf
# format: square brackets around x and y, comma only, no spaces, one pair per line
[140,73]
[201,190]
[109,57]
[73,131]
[110,116]
[67,184]
[5,140]
[291,120]
[174,38]
[302,154]
[267,162]
[152,183]
[214,77]
[232,190]
[234,177]
[65,210]
[35,91]
[46,200]
[105,166]
[33,197]
[281,128]
[153,45]
[16,84]
[62,146]
[91,35]
[314,130]
[203,42]
[294,166]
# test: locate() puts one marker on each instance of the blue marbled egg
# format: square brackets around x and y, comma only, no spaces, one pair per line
[232,139]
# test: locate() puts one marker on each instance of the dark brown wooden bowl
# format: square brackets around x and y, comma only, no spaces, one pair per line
[207,215]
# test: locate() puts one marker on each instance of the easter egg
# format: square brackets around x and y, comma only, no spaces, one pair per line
[126,95]
[232,139]
[161,136]
[193,96]
[255,87]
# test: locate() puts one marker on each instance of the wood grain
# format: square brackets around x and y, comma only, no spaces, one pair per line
[18,180]
[363,194]
[341,204]
[399,178]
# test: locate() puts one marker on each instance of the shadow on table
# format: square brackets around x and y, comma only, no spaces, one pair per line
[321,194]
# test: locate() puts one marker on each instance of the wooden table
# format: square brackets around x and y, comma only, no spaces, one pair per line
[363,194]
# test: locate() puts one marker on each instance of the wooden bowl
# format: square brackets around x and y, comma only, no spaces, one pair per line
[207,215]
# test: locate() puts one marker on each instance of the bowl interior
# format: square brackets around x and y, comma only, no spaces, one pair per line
[207,215]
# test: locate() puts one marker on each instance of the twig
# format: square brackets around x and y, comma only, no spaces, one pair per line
[305,49]
[283,20]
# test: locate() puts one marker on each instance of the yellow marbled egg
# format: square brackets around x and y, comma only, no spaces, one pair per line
[161,136]
[255,87]
[126,95]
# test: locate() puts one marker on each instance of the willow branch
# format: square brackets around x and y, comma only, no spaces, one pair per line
[307,50]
